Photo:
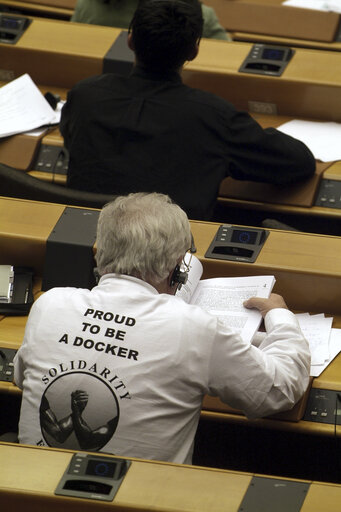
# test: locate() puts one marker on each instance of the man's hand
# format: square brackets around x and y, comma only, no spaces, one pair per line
[264,305]
[79,400]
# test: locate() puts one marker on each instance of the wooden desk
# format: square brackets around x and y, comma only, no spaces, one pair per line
[59,54]
[307,266]
[269,21]
[216,69]
[59,9]
[307,269]
[285,22]
[147,485]
[286,41]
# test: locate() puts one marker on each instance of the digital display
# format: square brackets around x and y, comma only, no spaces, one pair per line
[244,237]
[100,468]
[10,23]
[273,54]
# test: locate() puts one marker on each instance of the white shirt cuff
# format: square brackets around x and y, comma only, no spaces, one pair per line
[279,316]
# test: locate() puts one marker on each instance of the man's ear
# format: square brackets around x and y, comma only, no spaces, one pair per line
[194,52]
[131,42]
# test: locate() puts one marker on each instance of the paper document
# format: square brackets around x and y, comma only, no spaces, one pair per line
[324,342]
[319,5]
[334,350]
[23,107]
[322,138]
[316,329]
[224,297]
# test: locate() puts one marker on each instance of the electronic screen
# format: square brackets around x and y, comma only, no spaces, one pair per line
[100,468]
[244,237]
[11,23]
[272,54]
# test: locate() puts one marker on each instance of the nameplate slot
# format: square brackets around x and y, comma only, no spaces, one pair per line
[272,494]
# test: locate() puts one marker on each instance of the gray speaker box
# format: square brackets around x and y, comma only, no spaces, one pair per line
[119,59]
[69,259]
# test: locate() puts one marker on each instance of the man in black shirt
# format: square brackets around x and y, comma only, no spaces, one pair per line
[150,132]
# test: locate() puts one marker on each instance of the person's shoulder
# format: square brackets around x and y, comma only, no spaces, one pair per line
[97,81]
[212,27]
[57,296]
[91,88]
[208,13]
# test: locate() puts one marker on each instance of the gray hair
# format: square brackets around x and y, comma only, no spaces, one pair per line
[142,235]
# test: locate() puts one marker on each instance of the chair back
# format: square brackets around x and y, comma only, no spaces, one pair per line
[19,184]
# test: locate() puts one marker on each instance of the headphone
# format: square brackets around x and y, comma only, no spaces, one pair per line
[178,277]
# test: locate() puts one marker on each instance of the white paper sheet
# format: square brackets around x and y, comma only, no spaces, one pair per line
[322,138]
[224,297]
[334,349]
[319,5]
[23,107]
[316,329]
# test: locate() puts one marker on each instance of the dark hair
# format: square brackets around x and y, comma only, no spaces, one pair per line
[165,32]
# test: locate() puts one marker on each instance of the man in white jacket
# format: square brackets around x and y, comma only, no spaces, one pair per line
[124,367]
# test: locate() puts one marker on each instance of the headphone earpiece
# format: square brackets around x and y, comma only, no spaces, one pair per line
[178,277]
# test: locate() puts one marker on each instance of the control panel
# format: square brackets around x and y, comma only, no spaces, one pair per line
[6,364]
[93,477]
[12,28]
[264,59]
[323,406]
[235,243]
[329,194]
[52,159]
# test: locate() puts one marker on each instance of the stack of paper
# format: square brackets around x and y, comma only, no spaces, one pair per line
[23,107]
[324,342]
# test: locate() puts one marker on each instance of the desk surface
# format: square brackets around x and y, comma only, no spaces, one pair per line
[269,21]
[53,8]
[27,225]
[189,488]
[286,41]
[63,9]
